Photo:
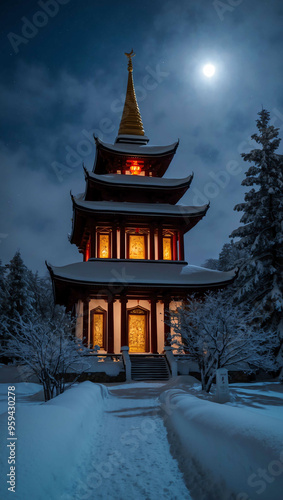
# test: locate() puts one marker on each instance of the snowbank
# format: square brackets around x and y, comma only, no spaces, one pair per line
[52,439]
[226,452]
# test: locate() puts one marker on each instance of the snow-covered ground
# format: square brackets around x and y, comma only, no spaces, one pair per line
[130,458]
[120,442]
[52,439]
[229,451]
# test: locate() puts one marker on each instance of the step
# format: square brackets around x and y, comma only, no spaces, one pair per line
[149,368]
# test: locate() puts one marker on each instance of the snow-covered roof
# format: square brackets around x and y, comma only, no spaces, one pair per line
[140,272]
[139,180]
[136,149]
[138,208]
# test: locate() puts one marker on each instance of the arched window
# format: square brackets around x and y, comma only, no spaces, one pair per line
[98,327]
[138,329]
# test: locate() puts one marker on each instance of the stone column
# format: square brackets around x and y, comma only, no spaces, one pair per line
[153,324]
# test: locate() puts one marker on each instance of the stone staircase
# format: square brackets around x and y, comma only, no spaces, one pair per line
[149,367]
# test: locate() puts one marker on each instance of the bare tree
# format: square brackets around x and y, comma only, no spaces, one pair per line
[47,348]
[216,334]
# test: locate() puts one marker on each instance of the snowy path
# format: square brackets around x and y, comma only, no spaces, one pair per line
[130,460]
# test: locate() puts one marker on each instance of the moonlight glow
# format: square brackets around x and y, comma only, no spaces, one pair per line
[208,70]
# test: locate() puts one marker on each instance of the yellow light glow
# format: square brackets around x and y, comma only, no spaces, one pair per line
[137,246]
[104,246]
[167,249]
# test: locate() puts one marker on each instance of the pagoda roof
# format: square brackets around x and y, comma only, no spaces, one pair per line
[139,273]
[140,180]
[109,157]
[142,188]
[138,208]
[106,212]
[137,149]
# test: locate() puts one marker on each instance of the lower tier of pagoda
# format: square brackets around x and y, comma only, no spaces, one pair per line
[124,303]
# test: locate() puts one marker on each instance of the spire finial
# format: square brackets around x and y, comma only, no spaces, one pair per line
[130,55]
[131,122]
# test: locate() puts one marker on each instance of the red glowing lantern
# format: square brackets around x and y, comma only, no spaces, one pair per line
[135,166]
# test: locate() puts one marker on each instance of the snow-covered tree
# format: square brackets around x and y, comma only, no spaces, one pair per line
[47,349]
[20,296]
[2,301]
[43,295]
[215,335]
[211,264]
[230,256]
[260,280]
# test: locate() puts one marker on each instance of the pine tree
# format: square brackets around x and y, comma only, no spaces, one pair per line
[2,288]
[260,279]
[20,296]
[230,256]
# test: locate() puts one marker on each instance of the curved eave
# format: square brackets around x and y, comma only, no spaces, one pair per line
[132,149]
[125,208]
[151,274]
[103,214]
[110,156]
[100,187]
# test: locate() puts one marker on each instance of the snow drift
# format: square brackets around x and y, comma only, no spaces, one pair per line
[226,452]
[51,440]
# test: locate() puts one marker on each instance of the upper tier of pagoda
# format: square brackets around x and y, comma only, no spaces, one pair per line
[130,153]
[122,158]
[135,188]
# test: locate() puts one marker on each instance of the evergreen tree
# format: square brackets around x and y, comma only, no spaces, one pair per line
[211,264]
[230,256]
[20,296]
[260,282]
[2,288]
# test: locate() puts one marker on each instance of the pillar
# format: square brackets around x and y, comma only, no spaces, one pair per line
[151,243]
[92,241]
[175,253]
[110,323]
[114,241]
[166,304]
[181,245]
[124,330]
[160,243]
[153,325]
[122,241]
[85,321]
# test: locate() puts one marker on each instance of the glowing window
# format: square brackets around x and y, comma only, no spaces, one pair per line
[167,248]
[104,246]
[137,246]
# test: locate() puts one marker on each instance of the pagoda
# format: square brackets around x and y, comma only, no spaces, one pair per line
[130,229]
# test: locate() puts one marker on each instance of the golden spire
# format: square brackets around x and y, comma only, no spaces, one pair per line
[131,122]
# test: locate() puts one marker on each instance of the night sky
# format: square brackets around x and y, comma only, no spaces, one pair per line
[68,80]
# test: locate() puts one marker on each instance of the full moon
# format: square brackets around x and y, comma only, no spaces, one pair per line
[208,70]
